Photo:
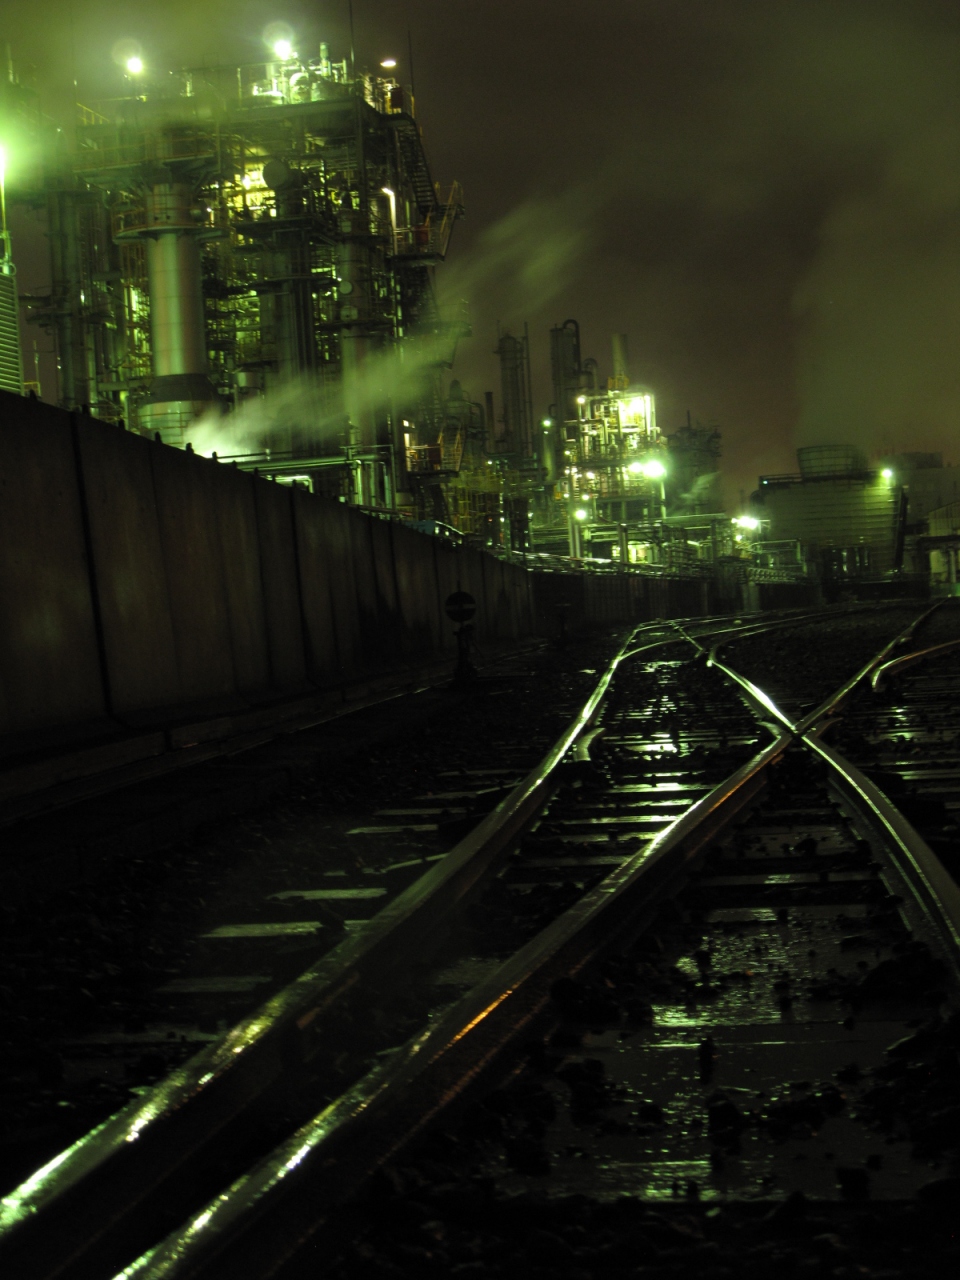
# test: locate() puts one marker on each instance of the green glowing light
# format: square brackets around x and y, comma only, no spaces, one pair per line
[747,522]
[580,513]
[887,473]
[654,470]
[134,65]
[283,49]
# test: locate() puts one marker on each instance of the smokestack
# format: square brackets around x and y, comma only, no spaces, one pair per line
[621,377]
[490,422]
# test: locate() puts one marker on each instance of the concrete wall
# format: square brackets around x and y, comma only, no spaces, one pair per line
[139,583]
[592,599]
[49,658]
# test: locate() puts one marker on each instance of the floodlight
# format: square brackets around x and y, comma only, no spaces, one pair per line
[134,65]
[389,63]
[547,422]
[887,473]
[654,470]
[580,513]
[635,468]
[581,399]
[747,522]
[283,49]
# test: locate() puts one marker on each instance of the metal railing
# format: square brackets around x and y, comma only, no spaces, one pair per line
[431,239]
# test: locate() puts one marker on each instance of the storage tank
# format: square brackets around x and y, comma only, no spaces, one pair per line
[830,460]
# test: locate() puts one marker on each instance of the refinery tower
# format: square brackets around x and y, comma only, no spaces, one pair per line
[229,238]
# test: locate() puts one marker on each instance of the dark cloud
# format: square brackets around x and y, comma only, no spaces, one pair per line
[763,194]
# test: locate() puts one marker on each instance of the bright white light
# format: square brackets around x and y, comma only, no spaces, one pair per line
[283,49]
[389,63]
[635,468]
[654,470]
[581,399]
[591,476]
[580,513]
[887,473]
[134,65]
[387,191]
[548,422]
[747,522]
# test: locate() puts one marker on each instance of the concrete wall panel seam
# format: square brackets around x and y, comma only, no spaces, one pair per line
[96,610]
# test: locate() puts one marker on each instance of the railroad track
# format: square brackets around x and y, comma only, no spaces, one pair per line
[109,983]
[673,877]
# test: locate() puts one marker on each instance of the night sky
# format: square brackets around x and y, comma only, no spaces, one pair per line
[764,195]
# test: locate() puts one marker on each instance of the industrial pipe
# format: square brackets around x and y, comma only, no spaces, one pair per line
[181,389]
[178,341]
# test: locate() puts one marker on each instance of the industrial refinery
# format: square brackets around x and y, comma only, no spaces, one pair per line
[242,264]
[479,739]
[221,236]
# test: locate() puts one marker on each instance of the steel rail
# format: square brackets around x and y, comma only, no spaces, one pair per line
[830,705]
[907,660]
[934,891]
[936,894]
[79,1202]
[269,1214]
[773,622]
[761,701]
[738,632]
[104,1178]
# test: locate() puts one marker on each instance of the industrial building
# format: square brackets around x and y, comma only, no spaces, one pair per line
[603,458]
[838,520]
[242,261]
[927,483]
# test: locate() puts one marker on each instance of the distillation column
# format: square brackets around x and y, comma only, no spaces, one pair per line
[65,286]
[357,372]
[180,390]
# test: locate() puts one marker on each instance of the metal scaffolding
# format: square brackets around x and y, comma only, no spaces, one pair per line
[221,234]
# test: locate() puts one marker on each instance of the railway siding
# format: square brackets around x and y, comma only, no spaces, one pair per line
[705,943]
